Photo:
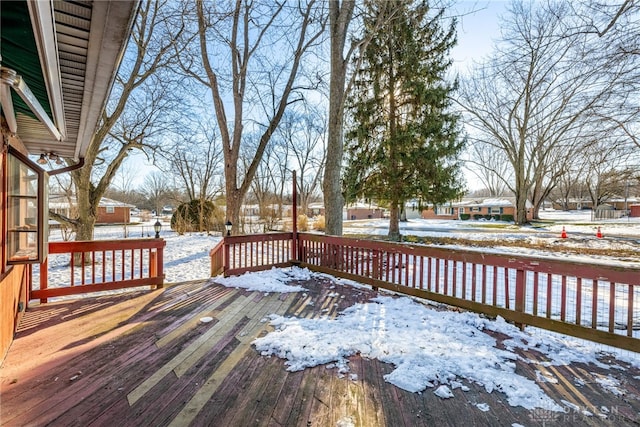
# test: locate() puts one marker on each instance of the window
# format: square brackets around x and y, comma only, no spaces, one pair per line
[444,211]
[26,201]
[110,209]
[496,210]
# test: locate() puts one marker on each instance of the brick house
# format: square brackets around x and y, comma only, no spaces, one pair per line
[109,211]
[475,208]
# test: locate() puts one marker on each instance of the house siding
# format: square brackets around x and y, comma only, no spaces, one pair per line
[14,287]
[364,213]
[120,215]
[456,211]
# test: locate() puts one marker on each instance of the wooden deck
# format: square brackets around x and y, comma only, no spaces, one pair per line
[145,359]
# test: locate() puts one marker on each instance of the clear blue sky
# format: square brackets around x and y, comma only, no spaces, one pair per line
[478,26]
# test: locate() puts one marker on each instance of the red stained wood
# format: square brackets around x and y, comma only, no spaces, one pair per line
[398,266]
[86,357]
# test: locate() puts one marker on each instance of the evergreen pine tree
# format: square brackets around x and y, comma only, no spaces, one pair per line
[403,141]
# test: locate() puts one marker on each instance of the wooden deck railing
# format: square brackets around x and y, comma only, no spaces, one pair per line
[596,302]
[217,259]
[256,252]
[100,265]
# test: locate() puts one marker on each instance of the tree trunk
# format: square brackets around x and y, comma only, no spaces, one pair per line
[339,17]
[521,208]
[394,222]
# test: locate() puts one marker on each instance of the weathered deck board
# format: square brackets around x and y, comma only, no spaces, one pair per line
[142,359]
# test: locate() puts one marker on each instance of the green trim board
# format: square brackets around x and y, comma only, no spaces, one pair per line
[20,53]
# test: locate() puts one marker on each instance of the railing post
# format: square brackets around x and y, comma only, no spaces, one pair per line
[294,214]
[226,260]
[160,264]
[44,277]
[520,285]
[153,263]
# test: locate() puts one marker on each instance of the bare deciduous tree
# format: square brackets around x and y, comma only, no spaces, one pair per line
[340,15]
[490,165]
[195,161]
[135,114]
[156,188]
[305,134]
[534,97]
[246,37]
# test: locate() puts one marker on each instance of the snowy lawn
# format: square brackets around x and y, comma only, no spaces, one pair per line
[429,348]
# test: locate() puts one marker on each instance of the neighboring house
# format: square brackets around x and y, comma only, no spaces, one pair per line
[109,211]
[634,210]
[617,203]
[357,211]
[475,208]
[58,64]
[315,209]
[573,204]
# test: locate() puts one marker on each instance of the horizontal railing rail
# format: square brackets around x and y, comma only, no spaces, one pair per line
[598,302]
[100,265]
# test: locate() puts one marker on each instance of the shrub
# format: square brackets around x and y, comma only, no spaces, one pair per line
[319,223]
[507,218]
[197,215]
[487,217]
[465,217]
[496,217]
[303,222]
[478,216]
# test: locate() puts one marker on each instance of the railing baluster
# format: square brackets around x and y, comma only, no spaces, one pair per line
[494,295]
[505,281]
[630,297]
[83,262]
[473,281]
[612,305]
[437,261]
[93,267]
[578,300]
[133,265]
[549,294]
[563,299]
[464,279]
[535,293]
[594,303]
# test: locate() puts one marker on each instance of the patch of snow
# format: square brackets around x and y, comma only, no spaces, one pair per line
[273,280]
[610,384]
[425,346]
[443,392]
[484,407]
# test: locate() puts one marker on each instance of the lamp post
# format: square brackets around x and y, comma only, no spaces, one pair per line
[228,226]
[157,227]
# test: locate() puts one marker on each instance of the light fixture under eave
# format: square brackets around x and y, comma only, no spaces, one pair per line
[42,160]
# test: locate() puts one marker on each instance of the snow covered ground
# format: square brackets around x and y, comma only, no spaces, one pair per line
[621,234]
[431,350]
[449,351]
[186,257]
